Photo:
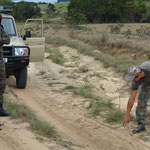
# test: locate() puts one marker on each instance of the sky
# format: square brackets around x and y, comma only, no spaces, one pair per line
[36,1]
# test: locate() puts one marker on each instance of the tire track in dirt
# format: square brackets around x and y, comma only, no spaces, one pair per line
[16,136]
[33,98]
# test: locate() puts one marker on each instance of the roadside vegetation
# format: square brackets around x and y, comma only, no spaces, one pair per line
[120,63]
[25,114]
[98,106]
[55,56]
[37,125]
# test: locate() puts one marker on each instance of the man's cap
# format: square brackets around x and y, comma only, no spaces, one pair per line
[133,71]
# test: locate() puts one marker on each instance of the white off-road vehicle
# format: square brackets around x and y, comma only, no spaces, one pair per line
[23,48]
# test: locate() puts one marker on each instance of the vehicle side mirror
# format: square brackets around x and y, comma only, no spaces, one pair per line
[28,33]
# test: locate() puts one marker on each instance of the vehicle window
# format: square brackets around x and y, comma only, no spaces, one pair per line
[9,27]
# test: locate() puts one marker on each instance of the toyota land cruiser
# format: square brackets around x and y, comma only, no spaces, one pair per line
[21,50]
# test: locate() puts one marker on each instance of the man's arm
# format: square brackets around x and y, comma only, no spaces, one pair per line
[130,104]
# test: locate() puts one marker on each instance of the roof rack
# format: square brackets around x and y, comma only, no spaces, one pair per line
[6,9]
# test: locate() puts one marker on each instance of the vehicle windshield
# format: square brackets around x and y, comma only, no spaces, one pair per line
[9,27]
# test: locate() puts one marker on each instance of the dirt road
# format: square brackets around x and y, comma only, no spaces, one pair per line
[67,112]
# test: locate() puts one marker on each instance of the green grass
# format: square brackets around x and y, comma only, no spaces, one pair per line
[96,74]
[69,87]
[83,69]
[114,116]
[55,83]
[61,7]
[108,110]
[65,144]
[55,56]
[84,91]
[22,112]
[43,7]
[98,106]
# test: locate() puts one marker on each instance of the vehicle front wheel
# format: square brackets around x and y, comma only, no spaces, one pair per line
[21,78]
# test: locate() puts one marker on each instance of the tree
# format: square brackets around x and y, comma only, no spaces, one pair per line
[5,2]
[98,10]
[76,18]
[91,9]
[50,10]
[146,16]
[135,10]
[25,10]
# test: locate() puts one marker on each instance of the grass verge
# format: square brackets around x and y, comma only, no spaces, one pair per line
[84,90]
[38,126]
[107,110]
[22,112]
[55,56]
[98,106]
[120,63]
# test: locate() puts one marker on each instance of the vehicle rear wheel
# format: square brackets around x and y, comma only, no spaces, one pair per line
[21,78]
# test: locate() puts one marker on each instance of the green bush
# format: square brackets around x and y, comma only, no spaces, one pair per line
[135,10]
[24,10]
[75,17]
[97,11]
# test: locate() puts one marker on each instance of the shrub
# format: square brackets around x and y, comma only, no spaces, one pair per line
[25,10]
[74,17]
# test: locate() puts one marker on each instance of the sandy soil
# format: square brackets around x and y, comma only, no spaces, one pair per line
[69,113]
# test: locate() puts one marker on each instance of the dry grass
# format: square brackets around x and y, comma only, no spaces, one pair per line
[120,63]
[111,42]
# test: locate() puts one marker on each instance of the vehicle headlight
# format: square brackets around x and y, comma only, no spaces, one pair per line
[21,51]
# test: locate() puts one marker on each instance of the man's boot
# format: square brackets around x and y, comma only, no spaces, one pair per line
[3,112]
[138,129]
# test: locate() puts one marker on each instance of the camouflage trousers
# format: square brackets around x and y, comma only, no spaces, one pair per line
[2,77]
[142,104]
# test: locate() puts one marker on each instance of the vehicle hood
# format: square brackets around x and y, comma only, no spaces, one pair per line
[16,41]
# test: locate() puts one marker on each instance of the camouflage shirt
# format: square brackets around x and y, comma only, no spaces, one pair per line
[4,38]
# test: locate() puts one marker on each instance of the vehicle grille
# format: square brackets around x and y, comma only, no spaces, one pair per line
[7,51]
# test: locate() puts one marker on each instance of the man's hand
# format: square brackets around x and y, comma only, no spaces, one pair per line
[131,100]
[126,120]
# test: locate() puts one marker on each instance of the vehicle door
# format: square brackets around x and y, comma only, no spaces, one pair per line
[32,35]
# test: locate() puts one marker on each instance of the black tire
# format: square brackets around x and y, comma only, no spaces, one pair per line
[21,78]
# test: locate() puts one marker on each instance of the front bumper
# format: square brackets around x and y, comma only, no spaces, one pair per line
[12,61]
[15,63]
